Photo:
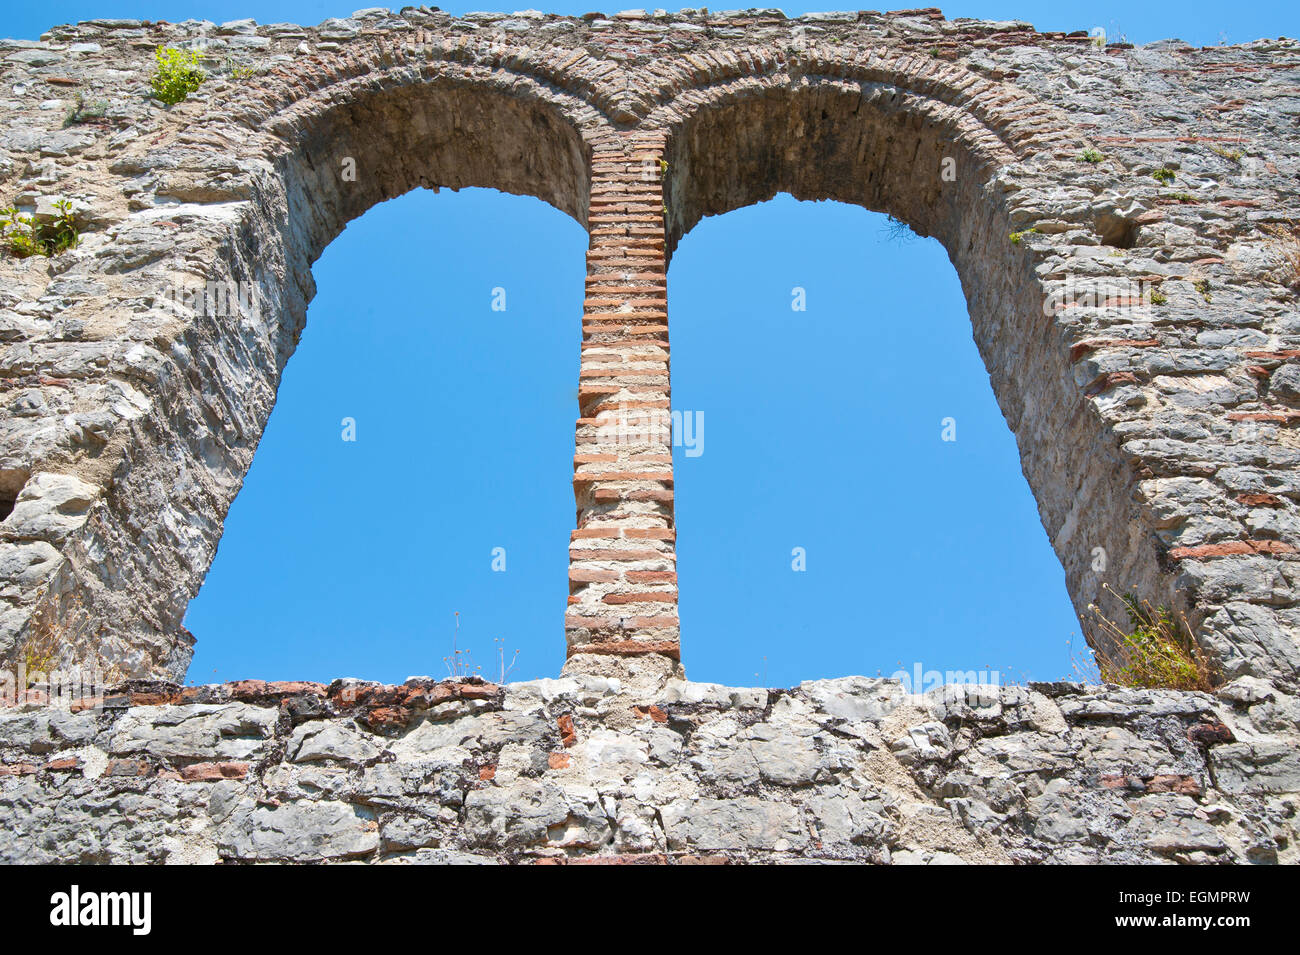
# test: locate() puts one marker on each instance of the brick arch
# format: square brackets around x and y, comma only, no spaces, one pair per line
[824,137]
[575,84]
[1167,437]
[881,146]
[289,191]
[1014,122]
[723,136]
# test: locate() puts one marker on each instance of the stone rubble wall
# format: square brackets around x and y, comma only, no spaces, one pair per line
[573,771]
[1158,432]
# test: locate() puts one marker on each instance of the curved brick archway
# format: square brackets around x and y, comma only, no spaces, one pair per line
[1149,435]
[944,171]
[230,298]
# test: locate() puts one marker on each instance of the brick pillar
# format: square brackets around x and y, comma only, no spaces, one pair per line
[622,559]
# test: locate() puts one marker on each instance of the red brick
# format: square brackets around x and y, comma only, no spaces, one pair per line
[652,576]
[213,772]
[154,699]
[629,648]
[261,689]
[1230,548]
[1184,785]
[1107,381]
[614,553]
[568,734]
[388,717]
[650,533]
[1282,355]
[634,598]
[476,691]
[1261,500]
[658,622]
[585,575]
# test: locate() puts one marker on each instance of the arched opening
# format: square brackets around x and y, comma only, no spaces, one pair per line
[418,461]
[343,141]
[939,169]
[851,500]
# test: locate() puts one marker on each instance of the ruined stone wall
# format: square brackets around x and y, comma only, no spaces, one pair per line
[576,771]
[1161,435]
[1141,334]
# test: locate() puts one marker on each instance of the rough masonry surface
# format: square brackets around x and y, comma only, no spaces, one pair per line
[568,771]
[1141,334]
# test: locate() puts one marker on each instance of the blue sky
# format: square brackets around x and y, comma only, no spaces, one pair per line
[822,430]
[1201,22]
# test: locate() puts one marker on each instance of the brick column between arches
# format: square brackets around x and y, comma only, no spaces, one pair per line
[622,556]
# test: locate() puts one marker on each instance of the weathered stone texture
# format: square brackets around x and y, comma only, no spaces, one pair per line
[1142,337]
[572,770]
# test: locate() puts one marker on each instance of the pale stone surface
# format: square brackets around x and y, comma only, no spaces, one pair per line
[299,832]
[1050,773]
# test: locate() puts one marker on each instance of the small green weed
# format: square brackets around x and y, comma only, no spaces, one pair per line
[1154,651]
[25,236]
[176,74]
[83,112]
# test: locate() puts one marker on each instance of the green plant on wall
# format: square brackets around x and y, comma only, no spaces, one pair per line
[1152,651]
[1232,155]
[236,72]
[25,235]
[83,112]
[176,74]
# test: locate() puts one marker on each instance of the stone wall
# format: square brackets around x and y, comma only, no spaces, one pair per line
[1158,436]
[580,770]
[1141,334]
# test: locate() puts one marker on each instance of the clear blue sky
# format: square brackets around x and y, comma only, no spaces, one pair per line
[822,430]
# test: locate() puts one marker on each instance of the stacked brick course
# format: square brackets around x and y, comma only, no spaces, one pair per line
[623,568]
